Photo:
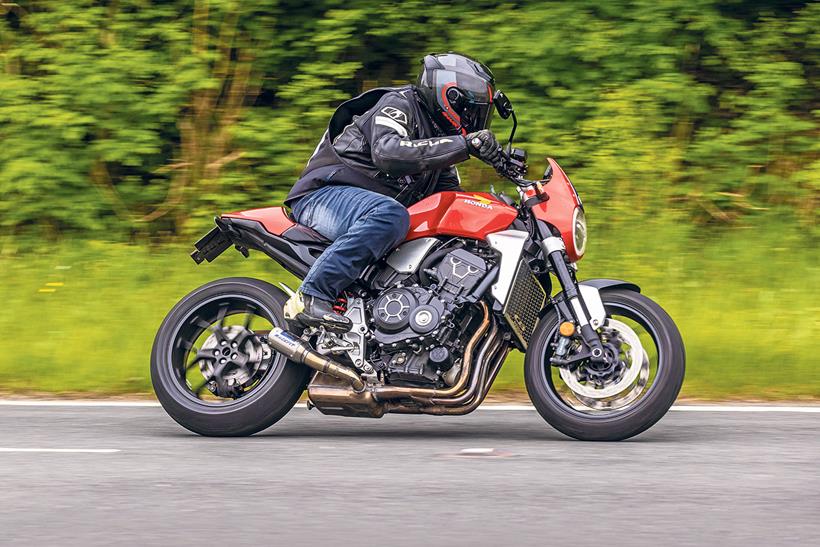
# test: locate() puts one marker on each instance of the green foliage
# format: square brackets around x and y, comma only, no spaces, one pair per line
[142,117]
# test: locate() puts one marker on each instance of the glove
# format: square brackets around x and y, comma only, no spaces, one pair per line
[484,146]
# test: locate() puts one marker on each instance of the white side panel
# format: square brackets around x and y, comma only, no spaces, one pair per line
[592,299]
[509,244]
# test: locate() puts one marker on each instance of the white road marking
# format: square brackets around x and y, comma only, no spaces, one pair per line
[474,451]
[63,450]
[762,407]
[485,453]
[746,408]
[490,406]
[35,402]
[694,408]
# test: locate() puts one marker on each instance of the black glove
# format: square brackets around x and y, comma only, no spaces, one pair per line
[484,146]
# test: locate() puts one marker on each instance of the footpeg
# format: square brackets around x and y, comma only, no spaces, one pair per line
[310,311]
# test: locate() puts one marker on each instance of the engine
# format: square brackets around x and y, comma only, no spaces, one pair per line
[418,328]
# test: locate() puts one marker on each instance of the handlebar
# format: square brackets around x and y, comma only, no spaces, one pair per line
[513,167]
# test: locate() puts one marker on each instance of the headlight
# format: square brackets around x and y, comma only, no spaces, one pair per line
[579,231]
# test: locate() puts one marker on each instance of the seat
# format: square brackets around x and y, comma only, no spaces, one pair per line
[277,221]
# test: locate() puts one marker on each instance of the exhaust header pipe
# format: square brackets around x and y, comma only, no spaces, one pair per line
[297,350]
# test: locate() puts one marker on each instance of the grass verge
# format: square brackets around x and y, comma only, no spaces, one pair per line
[80,317]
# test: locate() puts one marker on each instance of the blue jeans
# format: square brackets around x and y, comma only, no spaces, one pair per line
[362,225]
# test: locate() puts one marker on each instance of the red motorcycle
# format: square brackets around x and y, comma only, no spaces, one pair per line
[433,322]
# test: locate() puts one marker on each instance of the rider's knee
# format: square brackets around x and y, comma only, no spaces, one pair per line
[399,218]
[402,219]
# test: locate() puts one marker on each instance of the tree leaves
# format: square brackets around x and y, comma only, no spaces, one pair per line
[141,116]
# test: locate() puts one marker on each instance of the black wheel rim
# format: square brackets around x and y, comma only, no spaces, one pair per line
[560,392]
[218,356]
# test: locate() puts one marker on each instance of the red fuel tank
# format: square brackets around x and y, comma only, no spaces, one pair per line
[466,214]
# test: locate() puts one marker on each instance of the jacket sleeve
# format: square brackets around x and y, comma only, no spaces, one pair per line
[393,151]
[448,181]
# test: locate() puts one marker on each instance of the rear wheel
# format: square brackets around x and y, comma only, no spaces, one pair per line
[211,367]
[618,401]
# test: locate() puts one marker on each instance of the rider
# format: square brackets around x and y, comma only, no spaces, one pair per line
[383,151]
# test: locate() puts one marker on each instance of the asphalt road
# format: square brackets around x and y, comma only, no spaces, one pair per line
[696,478]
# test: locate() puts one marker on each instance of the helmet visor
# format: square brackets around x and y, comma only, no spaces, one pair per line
[476,116]
[475,108]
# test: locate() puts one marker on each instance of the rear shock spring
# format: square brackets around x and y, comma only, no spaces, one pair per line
[341,304]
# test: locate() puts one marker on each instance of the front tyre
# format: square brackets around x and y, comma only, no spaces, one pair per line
[609,405]
[211,367]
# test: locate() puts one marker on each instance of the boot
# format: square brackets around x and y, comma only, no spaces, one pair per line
[315,312]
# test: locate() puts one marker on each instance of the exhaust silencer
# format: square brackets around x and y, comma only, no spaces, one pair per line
[297,350]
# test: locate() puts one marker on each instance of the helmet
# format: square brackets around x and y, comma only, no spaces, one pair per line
[457,91]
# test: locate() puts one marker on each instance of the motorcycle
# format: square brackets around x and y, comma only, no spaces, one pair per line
[433,322]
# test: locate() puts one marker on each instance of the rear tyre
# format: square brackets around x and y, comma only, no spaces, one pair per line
[249,400]
[644,409]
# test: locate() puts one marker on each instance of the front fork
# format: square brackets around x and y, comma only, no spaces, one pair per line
[579,302]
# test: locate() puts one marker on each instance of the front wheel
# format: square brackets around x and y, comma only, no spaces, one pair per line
[211,367]
[614,402]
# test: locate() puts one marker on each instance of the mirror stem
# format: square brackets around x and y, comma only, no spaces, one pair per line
[512,133]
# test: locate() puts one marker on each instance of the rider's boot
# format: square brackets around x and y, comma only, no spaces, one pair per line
[315,312]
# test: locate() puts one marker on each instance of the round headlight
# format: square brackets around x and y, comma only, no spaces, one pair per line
[579,231]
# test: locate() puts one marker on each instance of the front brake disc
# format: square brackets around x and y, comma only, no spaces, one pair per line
[634,364]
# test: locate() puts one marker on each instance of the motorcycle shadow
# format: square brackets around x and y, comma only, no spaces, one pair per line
[413,432]
[476,427]
[480,426]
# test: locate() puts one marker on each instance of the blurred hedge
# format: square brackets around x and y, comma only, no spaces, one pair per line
[136,118]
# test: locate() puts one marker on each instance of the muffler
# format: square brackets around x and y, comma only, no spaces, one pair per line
[336,397]
[297,350]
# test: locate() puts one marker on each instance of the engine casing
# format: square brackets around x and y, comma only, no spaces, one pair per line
[415,326]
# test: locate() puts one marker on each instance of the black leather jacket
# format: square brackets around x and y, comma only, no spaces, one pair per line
[384,141]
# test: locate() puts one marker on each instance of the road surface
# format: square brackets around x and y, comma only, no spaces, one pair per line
[129,475]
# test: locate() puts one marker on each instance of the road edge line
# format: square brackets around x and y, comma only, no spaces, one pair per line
[486,407]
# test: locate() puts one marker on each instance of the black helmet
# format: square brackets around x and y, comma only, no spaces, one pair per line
[457,91]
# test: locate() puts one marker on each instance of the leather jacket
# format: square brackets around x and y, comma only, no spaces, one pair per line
[384,141]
